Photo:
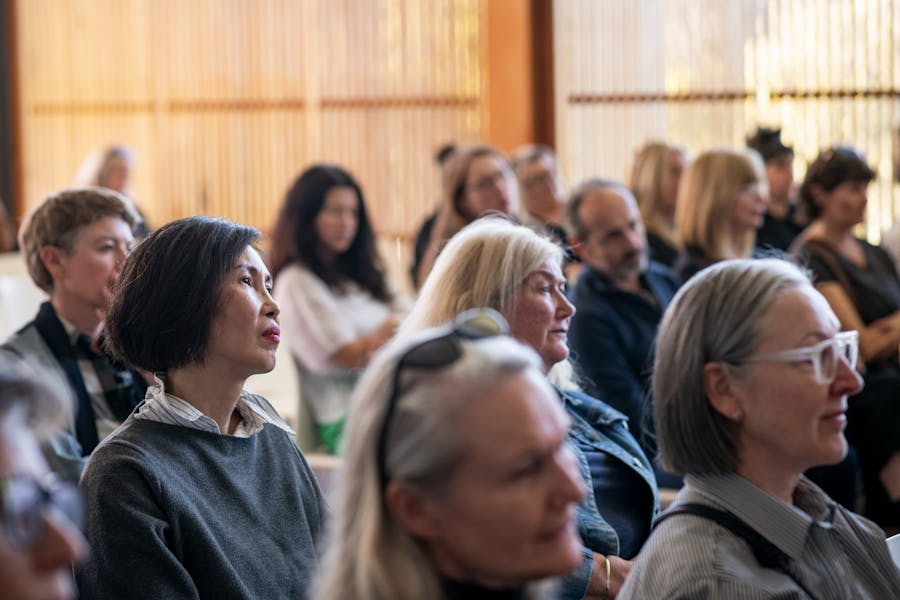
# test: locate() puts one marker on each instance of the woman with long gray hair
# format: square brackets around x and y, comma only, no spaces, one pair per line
[456,481]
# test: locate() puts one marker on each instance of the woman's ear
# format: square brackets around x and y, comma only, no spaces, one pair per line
[51,256]
[412,510]
[722,391]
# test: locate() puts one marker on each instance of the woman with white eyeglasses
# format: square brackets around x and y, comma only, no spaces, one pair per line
[750,387]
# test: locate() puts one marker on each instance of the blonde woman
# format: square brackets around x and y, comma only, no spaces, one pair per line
[718,211]
[655,178]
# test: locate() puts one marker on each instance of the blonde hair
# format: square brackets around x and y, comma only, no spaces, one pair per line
[706,199]
[483,266]
[649,175]
[369,556]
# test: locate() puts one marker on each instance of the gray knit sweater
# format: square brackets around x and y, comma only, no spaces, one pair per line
[178,513]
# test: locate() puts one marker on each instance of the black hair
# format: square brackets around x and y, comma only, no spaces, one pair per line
[445,152]
[768,143]
[831,168]
[294,236]
[168,293]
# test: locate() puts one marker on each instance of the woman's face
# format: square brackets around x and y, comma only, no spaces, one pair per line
[780,176]
[787,419]
[115,175]
[84,279]
[845,205]
[541,314]
[244,334]
[489,185]
[672,179]
[749,208]
[42,571]
[338,220]
[506,514]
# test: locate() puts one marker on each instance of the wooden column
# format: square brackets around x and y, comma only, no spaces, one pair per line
[9,157]
[519,72]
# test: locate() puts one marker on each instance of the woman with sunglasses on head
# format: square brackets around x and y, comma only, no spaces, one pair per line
[202,492]
[859,281]
[497,264]
[338,306]
[456,481]
[750,386]
[39,537]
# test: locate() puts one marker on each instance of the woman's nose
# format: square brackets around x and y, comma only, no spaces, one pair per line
[846,381]
[571,488]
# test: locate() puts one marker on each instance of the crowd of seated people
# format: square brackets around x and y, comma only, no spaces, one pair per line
[479,458]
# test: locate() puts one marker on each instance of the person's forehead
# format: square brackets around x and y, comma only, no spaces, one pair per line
[602,206]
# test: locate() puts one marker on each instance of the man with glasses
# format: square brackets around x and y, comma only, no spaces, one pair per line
[39,536]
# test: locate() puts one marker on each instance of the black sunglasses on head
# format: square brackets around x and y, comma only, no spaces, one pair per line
[436,353]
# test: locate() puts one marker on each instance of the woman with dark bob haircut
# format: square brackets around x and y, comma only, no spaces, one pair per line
[337,305]
[860,283]
[750,384]
[202,492]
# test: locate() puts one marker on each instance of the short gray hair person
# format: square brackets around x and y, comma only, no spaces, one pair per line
[369,556]
[713,318]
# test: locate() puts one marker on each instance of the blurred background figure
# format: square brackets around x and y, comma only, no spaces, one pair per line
[859,281]
[542,192]
[337,304]
[7,230]
[482,182]
[780,223]
[619,300]
[718,211]
[112,168]
[442,160]
[457,481]
[750,388]
[74,244]
[39,514]
[655,178]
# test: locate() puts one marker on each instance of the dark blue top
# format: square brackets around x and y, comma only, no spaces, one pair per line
[611,338]
[621,498]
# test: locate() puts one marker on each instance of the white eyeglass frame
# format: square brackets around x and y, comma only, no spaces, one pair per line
[840,341]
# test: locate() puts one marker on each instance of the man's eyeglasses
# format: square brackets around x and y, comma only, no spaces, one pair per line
[825,356]
[25,501]
[432,354]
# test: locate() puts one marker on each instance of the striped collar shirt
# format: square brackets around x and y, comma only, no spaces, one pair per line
[835,553]
[162,407]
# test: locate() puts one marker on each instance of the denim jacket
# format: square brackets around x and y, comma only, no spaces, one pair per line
[596,424]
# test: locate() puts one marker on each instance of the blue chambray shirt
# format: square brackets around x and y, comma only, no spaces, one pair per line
[597,424]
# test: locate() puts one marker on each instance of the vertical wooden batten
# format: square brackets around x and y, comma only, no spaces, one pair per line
[510,82]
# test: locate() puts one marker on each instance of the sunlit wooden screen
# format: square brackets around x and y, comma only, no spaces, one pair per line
[226,101]
[704,73]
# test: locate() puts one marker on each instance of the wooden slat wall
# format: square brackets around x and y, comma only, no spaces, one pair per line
[703,73]
[226,101]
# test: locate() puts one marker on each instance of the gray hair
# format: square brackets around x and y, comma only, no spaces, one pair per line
[369,556]
[713,318]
